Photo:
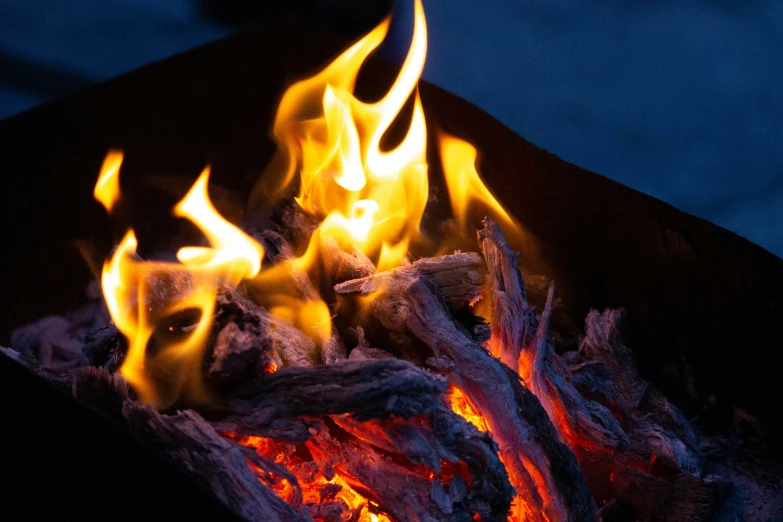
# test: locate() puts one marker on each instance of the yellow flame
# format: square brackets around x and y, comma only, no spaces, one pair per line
[367,196]
[462,407]
[107,189]
[145,296]
[231,250]
[464,183]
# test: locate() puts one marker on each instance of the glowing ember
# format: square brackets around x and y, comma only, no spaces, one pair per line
[462,407]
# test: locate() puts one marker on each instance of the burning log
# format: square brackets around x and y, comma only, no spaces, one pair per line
[272,406]
[623,451]
[448,491]
[661,429]
[543,471]
[279,249]
[460,457]
[460,276]
[190,440]
[342,262]
[269,336]
[521,340]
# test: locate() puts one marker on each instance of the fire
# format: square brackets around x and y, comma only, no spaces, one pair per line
[464,183]
[146,299]
[107,189]
[368,197]
[462,407]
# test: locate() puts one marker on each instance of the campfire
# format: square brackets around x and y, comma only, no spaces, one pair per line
[365,348]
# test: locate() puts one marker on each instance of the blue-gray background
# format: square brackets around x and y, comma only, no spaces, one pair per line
[679,99]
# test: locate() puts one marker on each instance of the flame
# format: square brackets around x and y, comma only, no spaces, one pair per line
[145,296]
[368,197]
[107,189]
[462,407]
[465,186]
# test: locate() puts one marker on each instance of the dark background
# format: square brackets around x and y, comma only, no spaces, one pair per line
[678,99]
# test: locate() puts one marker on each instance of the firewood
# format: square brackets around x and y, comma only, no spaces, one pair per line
[541,468]
[656,426]
[61,380]
[342,262]
[277,404]
[463,459]
[522,340]
[246,340]
[405,492]
[363,350]
[279,249]
[105,347]
[218,463]
[459,277]
[276,339]
[293,223]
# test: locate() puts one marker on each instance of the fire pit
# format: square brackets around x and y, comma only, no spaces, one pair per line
[366,347]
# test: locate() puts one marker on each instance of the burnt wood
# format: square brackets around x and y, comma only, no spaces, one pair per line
[541,468]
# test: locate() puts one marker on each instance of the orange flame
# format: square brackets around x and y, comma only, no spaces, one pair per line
[144,296]
[466,189]
[107,189]
[462,407]
[369,197]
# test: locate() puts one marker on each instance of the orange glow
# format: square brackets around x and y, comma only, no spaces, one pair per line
[462,407]
[107,189]
[368,197]
[465,186]
[145,296]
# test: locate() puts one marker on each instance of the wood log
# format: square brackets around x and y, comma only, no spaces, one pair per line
[363,350]
[272,336]
[459,277]
[469,478]
[521,339]
[293,223]
[543,471]
[105,347]
[218,463]
[246,341]
[278,249]
[655,426]
[405,492]
[341,262]
[278,404]
[61,380]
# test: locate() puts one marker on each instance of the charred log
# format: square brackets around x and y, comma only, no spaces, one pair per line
[541,468]
[522,341]
[220,464]
[272,406]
